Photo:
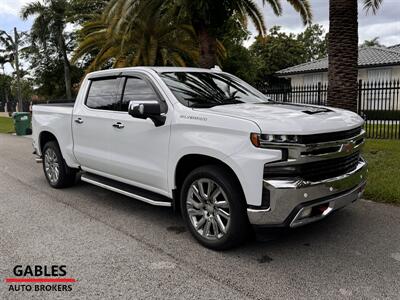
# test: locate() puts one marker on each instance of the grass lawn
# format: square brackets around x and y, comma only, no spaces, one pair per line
[388,130]
[383,157]
[6,125]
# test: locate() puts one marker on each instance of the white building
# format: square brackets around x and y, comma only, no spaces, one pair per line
[374,64]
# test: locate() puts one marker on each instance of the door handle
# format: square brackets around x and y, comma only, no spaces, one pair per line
[118,125]
[79,121]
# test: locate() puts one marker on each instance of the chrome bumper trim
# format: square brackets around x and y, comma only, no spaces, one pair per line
[332,204]
[288,195]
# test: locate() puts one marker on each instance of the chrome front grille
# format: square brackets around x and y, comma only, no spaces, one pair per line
[318,160]
[329,137]
[315,171]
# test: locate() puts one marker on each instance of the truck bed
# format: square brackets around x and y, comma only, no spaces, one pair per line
[63,104]
[55,119]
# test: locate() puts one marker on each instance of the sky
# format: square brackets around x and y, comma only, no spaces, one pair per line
[385,24]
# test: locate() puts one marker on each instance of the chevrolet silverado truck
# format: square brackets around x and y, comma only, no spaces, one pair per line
[207,144]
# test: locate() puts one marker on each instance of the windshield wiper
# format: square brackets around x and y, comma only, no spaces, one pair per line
[203,105]
[230,102]
[212,104]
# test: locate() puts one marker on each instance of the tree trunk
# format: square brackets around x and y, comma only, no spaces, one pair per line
[16,54]
[67,66]
[208,46]
[343,54]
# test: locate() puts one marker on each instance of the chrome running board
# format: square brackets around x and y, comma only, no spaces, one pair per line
[127,190]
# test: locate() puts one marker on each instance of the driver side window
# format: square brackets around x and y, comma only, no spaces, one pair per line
[137,89]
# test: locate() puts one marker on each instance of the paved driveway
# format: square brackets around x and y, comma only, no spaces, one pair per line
[118,247]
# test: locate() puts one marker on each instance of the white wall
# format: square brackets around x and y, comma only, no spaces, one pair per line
[363,74]
[367,74]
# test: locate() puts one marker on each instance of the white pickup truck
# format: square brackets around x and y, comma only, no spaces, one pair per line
[207,144]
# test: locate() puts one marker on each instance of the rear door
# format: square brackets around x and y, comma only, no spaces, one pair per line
[92,124]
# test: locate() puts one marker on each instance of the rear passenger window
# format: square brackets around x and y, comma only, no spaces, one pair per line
[137,89]
[103,94]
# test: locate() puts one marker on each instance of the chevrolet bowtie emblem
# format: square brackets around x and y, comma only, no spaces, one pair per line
[347,148]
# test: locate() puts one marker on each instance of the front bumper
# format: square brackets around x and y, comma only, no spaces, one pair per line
[289,199]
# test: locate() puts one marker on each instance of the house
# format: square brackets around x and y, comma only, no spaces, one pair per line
[374,64]
[395,47]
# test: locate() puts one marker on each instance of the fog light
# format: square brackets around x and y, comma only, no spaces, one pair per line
[305,213]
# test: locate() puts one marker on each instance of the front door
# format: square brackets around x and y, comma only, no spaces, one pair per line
[139,148]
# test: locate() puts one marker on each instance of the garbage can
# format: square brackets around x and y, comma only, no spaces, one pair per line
[22,123]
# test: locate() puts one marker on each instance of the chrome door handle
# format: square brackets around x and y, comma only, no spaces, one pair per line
[118,125]
[79,121]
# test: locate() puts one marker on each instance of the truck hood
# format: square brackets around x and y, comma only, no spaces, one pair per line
[285,118]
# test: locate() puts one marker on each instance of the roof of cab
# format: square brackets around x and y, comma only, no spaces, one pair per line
[181,69]
[156,69]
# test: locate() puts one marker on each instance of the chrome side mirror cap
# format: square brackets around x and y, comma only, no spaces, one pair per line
[147,110]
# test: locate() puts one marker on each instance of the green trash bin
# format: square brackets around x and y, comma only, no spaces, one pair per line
[22,123]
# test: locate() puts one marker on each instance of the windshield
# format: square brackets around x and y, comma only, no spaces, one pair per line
[205,89]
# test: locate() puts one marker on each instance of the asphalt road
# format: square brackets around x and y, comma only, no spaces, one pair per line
[117,247]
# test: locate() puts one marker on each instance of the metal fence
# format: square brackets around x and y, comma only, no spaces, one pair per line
[378,103]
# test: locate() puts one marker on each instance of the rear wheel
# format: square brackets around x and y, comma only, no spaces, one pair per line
[213,208]
[57,173]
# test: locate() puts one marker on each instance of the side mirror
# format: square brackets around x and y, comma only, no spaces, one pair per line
[147,109]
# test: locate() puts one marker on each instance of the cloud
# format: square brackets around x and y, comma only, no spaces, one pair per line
[388,33]
[12,7]
[385,24]
[9,15]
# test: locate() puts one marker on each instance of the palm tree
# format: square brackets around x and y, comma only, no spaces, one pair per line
[372,43]
[12,45]
[4,59]
[343,51]
[49,25]
[152,39]
[206,17]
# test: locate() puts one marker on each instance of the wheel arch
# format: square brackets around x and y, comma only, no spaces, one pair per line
[188,163]
[45,137]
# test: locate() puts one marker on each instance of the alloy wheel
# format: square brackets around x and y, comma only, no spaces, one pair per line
[208,209]
[51,165]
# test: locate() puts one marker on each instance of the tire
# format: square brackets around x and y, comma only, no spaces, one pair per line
[209,214]
[56,171]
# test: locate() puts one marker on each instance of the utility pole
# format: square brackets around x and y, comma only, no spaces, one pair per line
[16,54]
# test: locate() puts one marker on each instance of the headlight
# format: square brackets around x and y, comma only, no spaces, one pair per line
[259,140]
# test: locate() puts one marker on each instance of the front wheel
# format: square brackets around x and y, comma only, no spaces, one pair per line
[213,208]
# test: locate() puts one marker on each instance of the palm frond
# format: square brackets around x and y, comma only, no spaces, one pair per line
[145,34]
[31,9]
[303,7]
[275,5]
[373,5]
[255,14]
